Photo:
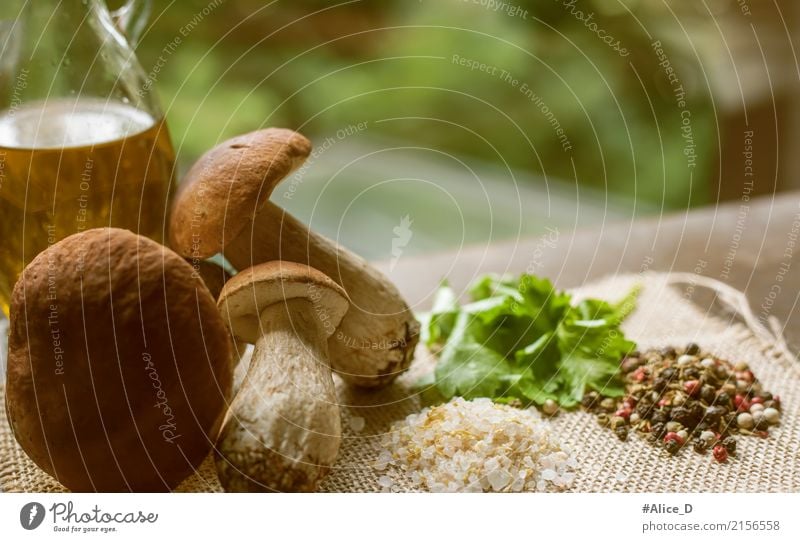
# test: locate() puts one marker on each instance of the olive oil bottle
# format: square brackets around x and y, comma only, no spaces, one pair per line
[83,142]
[66,166]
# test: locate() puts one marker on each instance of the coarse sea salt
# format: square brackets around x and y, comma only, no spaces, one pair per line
[476,446]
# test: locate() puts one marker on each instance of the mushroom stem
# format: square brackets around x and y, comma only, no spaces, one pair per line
[284,429]
[376,339]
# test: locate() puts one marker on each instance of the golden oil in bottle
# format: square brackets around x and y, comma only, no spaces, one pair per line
[70,165]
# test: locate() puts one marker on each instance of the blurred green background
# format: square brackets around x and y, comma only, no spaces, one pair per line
[402,128]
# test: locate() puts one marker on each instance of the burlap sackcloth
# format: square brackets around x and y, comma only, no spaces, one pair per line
[665,315]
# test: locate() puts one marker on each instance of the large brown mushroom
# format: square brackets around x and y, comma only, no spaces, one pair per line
[284,428]
[119,368]
[223,207]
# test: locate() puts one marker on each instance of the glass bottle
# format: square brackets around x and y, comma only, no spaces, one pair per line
[83,142]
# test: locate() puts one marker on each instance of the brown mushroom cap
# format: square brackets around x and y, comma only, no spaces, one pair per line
[248,293]
[228,185]
[119,367]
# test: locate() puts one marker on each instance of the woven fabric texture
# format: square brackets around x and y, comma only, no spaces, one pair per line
[665,315]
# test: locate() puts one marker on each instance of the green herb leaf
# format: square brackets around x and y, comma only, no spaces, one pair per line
[521,339]
[438,323]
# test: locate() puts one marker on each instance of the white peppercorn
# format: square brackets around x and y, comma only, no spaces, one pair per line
[707,362]
[745,421]
[772,415]
[686,359]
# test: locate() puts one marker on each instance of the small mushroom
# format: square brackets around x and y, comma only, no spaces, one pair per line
[223,207]
[284,427]
[119,369]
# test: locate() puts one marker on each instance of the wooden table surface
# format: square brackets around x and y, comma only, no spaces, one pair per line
[752,245]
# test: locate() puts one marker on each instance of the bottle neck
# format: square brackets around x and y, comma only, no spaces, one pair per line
[70,49]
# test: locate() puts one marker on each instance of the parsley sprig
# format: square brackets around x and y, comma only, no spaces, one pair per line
[521,339]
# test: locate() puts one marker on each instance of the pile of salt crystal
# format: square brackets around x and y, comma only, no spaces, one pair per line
[476,446]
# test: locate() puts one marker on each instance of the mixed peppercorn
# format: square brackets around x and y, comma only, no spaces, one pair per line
[682,396]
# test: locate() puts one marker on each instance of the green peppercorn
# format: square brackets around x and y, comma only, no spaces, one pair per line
[659,416]
[608,404]
[644,408]
[723,400]
[590,400]
[668,352]
[728,423]
[621,432]
[715,413]
[691,373]
[708,394]
[672,446]
[667,373]
[617,421]
[630,364]
[689,415]
[679,398]
[760,420]
[602,419]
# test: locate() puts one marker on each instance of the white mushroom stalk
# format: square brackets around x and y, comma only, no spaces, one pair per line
[284,428]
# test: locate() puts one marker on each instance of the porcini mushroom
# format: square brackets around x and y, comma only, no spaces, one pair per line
[284,428]
[119,367]
[223,207]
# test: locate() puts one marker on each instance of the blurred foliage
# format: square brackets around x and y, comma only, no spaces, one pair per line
[317,66]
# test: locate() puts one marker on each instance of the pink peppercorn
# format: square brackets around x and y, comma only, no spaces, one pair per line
[692,387]
[720,453]
[673,436]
